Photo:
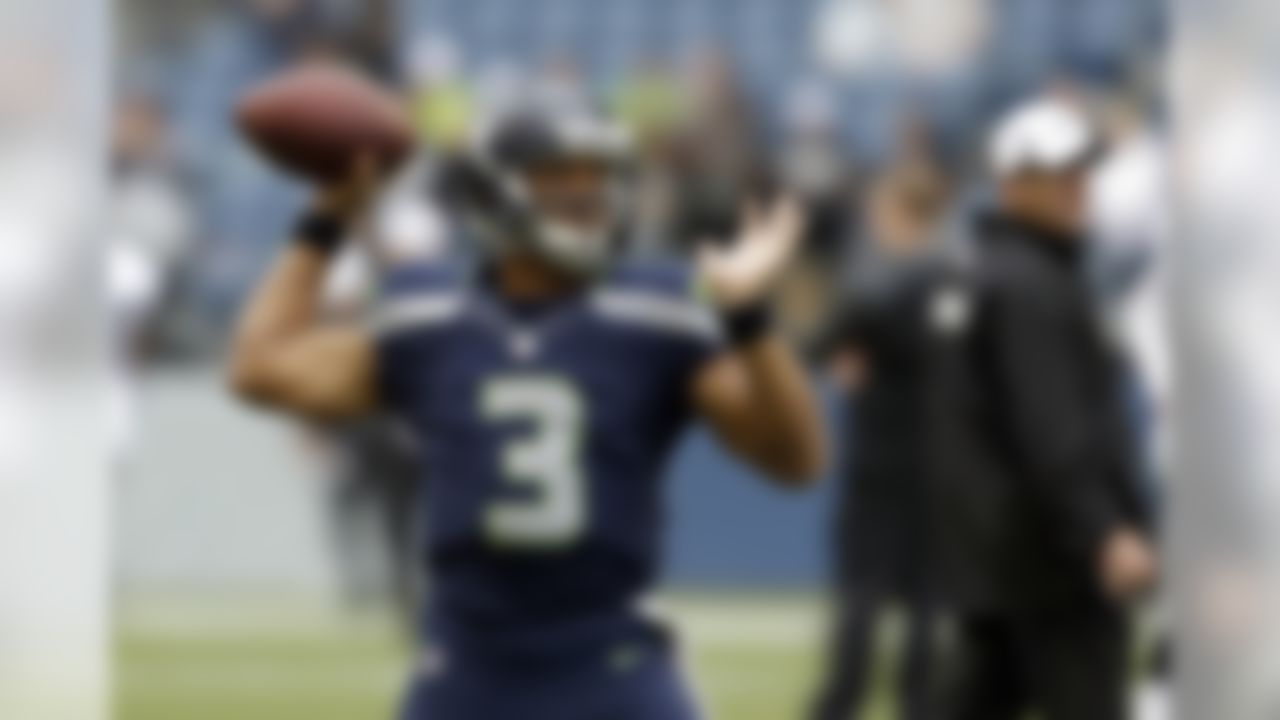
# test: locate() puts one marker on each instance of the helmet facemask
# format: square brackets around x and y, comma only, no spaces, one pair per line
[552,185]
[575,207]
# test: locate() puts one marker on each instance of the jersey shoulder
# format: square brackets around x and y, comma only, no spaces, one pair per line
[671,278]
[657,296]
[419,296]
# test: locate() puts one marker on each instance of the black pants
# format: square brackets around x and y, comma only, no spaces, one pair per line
[1064,666]
[853,657]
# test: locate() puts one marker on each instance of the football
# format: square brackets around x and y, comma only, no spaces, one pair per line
[315,120]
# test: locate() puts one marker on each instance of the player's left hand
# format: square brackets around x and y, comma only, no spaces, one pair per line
[746,270]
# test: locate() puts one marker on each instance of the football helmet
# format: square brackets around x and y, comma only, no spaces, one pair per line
[556,183]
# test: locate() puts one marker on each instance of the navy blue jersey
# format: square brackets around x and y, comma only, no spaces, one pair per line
[546,432]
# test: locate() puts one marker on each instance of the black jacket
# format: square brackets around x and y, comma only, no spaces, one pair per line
[883,517]
[1034,458]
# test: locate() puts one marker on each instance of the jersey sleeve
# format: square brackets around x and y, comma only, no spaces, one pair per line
[665,301]
[416,303]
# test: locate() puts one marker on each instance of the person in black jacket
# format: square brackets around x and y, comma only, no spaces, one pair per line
[1039,502]
[877,351]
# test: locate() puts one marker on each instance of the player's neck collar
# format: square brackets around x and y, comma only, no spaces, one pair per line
[528,290]
[533,307]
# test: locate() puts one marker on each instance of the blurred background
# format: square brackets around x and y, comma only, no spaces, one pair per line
[262,565]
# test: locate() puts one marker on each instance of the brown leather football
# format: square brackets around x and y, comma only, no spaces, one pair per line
[315,120]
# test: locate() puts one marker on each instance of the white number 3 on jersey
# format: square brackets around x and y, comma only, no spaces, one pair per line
[545,464]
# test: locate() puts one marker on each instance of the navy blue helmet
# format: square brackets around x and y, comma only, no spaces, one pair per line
[556,183]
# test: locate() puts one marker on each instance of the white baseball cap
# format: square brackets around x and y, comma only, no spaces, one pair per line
[1044,135]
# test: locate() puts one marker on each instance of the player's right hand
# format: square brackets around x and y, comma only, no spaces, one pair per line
[351,197]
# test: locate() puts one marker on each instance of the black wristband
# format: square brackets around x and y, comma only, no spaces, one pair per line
[320,231]
[745,325]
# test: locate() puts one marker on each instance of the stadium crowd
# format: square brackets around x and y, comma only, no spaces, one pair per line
[839,96]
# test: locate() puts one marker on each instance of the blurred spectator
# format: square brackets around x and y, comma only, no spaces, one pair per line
[369,35]
[1129,203]
[940,37]
[442,102]
[878,351]
[853,37]
[912,38]
[150,216]
[374,468]
[149,231]
[1044,524]
[150,222]
[815,165]
[500,87]
[650,104]
[375,473]
[722,157]
[560,84]
[1095,40]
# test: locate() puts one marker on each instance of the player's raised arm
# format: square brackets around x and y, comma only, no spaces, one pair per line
[282,355]
[757,397]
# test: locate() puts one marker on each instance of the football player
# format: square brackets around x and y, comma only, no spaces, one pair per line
[547,385]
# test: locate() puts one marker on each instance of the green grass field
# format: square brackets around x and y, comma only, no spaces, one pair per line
[752,659]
